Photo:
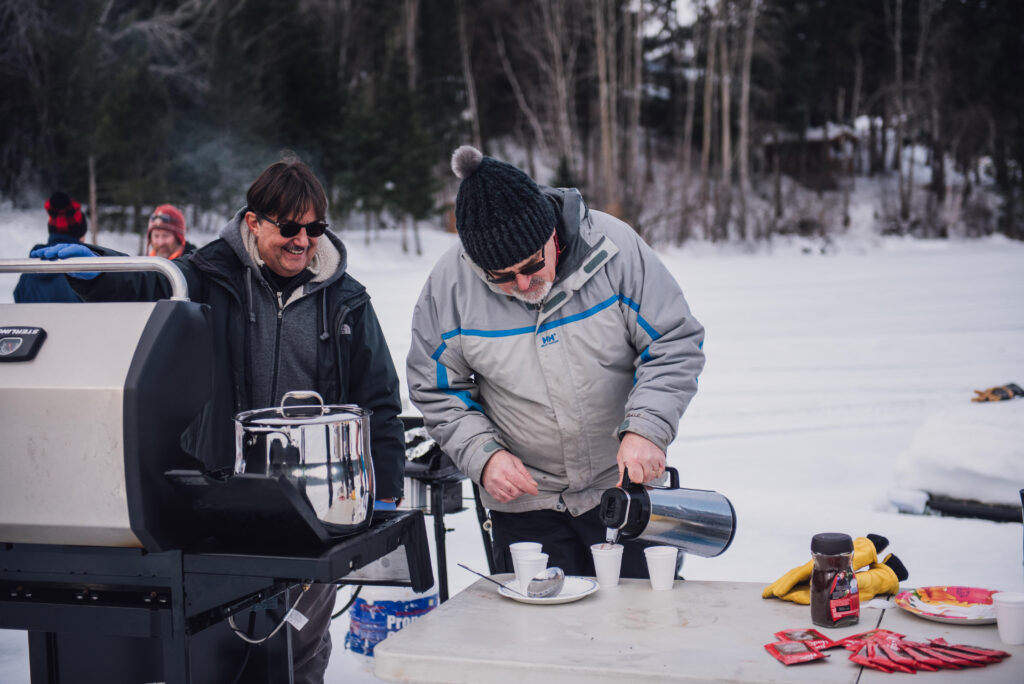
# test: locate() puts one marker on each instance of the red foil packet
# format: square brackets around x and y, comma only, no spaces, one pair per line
[793,652]
[972,657]
[974,649]
[949,659]
[901,662]
[860,656]
[992,655]
[877,655]
[807,636]
[924,661]
[920,661]
[854,642]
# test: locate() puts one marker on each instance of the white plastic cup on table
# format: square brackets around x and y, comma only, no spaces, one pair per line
[661,566]
[1010,616]
[519,548]
[530,564]
[607,563]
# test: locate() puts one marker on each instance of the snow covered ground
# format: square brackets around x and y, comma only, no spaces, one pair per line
[822,372]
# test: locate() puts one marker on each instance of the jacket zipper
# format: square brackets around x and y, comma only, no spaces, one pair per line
[277,348]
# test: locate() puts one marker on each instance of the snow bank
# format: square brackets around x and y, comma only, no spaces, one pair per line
[972,452]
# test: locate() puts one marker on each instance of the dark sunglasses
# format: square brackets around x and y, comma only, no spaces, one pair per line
[290,229]
[162,218]
[527,270]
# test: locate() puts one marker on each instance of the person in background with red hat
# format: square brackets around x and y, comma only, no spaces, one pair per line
[166,234]
[67,223]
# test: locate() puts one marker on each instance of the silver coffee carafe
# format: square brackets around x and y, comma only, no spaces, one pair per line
[698,521]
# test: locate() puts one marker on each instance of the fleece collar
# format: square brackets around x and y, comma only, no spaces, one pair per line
[328,263]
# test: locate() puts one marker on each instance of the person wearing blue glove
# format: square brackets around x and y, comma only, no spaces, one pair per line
[67,226]
[54,252]
[285,316]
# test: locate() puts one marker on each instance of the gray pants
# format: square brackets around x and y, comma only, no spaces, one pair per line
[311,646]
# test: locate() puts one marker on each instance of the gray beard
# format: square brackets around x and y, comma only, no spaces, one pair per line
[535,296]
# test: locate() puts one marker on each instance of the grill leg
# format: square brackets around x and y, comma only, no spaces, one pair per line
[437,508]
[42,658]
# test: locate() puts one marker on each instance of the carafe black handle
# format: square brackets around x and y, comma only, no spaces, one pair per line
[673,479]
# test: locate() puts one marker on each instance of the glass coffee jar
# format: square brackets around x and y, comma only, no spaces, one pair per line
[835,599]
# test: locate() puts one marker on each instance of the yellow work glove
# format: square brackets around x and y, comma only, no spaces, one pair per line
[881,578]
[872,581]
[780,587]
[801,594]
[1003,393]
[864,553]
[877,579]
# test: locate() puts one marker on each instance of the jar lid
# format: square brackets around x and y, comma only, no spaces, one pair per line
[831,543]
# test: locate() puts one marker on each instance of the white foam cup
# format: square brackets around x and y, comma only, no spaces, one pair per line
[1010,616]
[519,548]
[607,563]
[661,566]
[530,563]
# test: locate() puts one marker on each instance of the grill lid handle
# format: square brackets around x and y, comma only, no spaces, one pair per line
[179,288]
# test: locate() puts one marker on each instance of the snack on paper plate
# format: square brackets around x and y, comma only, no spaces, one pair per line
[793,652]
[951,605]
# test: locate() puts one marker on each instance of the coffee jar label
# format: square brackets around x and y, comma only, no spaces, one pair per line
[844,596]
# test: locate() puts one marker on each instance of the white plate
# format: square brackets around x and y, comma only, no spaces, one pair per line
[574,589]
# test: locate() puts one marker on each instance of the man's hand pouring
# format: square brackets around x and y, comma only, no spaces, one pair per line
[644,459]
[506,478]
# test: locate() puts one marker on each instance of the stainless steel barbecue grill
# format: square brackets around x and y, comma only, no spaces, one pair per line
[119,553]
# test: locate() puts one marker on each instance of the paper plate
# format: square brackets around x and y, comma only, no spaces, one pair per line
[952,605]
[574,589]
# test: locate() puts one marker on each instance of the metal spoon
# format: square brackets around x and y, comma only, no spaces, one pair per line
[545,583]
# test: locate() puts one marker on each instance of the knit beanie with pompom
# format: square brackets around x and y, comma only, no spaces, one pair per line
[65,216]
[500,214]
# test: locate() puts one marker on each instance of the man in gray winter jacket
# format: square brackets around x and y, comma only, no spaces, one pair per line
[551,350]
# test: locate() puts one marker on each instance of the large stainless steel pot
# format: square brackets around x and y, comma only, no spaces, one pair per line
[323,449]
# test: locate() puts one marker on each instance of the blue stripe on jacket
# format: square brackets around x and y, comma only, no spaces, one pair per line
[464,395]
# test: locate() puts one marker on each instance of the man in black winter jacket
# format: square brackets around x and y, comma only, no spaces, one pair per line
[285,316]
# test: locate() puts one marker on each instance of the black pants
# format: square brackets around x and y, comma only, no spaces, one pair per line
[566,540]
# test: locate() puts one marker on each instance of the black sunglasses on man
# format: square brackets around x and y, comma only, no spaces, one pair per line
[527,270]
[290,229]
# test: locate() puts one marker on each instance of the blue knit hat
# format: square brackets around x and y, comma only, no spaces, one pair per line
[500,214]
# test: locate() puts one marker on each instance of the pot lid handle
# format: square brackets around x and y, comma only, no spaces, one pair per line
[301,395]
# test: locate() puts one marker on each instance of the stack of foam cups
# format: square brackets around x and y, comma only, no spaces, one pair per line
[527,561]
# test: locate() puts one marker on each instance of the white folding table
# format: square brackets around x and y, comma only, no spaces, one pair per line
[697,632]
